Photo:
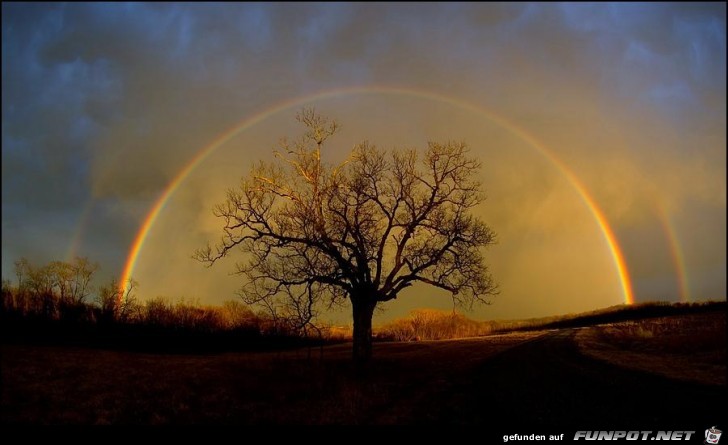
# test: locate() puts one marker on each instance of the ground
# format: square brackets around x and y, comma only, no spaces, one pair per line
[546,379]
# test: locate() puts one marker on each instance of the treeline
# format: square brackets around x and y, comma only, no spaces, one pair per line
[56,303]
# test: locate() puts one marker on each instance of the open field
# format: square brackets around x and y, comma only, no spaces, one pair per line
[610,376]
[52,385]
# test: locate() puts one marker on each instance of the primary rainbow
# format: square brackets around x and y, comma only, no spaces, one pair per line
[151,217]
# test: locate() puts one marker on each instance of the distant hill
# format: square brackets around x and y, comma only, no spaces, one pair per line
[619,313]
[438,325]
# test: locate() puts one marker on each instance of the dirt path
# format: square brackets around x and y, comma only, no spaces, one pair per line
[547,383]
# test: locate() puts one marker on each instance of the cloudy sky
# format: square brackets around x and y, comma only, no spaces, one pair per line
[619,105]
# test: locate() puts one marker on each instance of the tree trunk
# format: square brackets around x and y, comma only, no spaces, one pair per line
[363,312]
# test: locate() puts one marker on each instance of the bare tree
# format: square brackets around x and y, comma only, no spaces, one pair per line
[363,230]
[117,304]
[72,281]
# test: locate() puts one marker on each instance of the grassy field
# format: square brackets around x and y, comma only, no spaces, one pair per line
[687,347]
[62,385]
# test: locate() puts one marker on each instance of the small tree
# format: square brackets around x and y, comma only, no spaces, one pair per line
[364,230]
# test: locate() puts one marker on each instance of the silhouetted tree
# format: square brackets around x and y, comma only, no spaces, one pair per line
[363,230]
[73,280]
[58,289]
[117,304]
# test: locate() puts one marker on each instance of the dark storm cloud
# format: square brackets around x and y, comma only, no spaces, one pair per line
[104,103]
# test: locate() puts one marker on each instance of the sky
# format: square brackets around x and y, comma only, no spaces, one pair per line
[601,128]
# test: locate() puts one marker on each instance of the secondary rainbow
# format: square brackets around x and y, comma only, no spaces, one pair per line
[158,206]
[83,221]
[675,250]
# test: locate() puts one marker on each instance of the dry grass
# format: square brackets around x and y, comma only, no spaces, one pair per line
[430,324]
[61,385]
[686,347]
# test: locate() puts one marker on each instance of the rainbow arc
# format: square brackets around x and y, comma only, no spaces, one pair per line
[151,217]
